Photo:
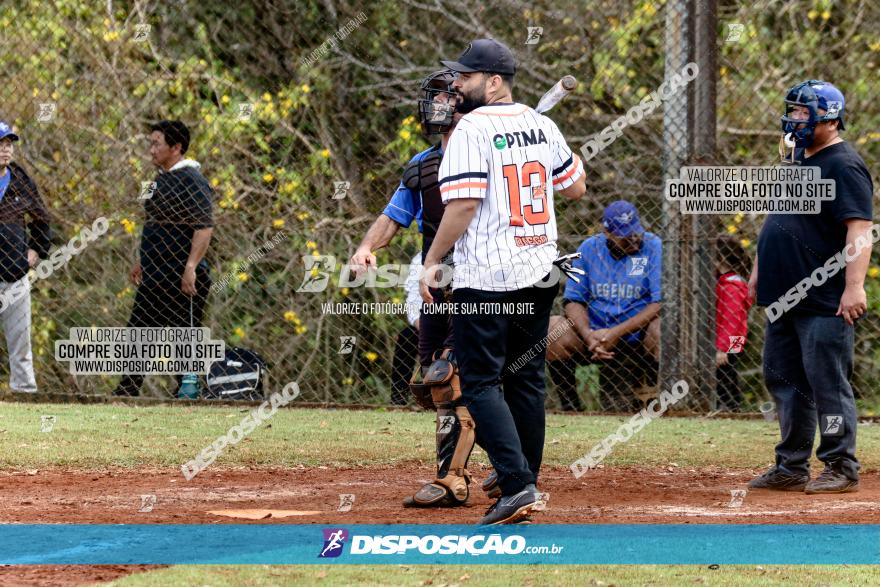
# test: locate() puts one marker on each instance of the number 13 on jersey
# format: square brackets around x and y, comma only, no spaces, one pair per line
[533,177]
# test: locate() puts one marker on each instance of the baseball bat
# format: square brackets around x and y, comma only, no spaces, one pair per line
[560,90]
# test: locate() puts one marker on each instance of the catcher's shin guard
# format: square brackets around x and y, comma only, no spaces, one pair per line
[421,391]
[455,442]
[455,439]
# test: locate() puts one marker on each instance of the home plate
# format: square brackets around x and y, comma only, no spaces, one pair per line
[263,514]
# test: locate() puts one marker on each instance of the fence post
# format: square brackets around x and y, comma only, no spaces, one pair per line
[706,226]
[687,326]
[675,153]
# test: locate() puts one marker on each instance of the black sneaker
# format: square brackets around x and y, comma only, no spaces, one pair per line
[831,481]
[779,481]
[510,509]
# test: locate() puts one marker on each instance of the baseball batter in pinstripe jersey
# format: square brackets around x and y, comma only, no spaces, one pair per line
[502,167]
[511,244]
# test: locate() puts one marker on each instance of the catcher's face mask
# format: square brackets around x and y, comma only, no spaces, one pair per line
[806,105]
[437,103]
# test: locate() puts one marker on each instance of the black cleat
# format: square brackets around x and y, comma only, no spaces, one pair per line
[779,481]
[831,481]
[511,509]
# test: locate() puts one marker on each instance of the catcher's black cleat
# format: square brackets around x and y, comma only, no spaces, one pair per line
[831,481]
[512,509]
[779,481]
[435,495]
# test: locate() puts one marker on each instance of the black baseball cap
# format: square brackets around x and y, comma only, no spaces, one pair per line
[486,55]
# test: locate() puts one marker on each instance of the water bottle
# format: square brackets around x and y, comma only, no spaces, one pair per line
[189,387]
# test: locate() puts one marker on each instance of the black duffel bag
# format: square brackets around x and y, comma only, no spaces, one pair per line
[238,376]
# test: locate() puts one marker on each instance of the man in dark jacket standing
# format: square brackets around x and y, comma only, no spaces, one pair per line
[172,275]
[810,276]
[22,244]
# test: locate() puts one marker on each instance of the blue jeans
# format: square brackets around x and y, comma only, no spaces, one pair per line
[808,363]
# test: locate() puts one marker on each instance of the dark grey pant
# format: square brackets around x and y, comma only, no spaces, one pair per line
[808,363]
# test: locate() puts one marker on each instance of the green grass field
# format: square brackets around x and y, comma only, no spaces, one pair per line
[504,576]
[114,436]
[98,436]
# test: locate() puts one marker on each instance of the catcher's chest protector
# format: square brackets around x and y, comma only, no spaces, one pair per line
[432,202]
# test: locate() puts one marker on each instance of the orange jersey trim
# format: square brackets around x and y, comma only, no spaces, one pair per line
[571,172]
[461,186]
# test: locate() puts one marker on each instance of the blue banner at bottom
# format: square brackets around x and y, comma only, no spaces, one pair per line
[598,544]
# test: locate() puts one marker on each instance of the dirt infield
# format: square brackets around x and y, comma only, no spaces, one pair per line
[615,495]
[64,575]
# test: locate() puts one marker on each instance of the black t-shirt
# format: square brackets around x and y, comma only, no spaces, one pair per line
[792,246]
[180,205]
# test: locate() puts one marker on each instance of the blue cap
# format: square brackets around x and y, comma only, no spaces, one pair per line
[622,219]
[6,132]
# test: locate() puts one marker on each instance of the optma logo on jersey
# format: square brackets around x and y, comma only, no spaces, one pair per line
[519,138]
[334,540]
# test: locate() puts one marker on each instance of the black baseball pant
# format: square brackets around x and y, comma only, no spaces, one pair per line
[160,307]
[728,387]
[808,365]
[501,362]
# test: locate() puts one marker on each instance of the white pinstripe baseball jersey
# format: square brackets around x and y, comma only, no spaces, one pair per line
[503,154]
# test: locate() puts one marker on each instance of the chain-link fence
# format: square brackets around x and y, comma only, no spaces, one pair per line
[302,117]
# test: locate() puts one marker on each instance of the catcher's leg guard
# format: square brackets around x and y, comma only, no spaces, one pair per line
[454,454]
[455,440]
[439,383]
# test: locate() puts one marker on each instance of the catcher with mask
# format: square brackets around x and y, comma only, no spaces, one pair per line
[435,385]
[809,345]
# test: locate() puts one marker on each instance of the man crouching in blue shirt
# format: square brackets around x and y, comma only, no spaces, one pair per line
[614,311]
